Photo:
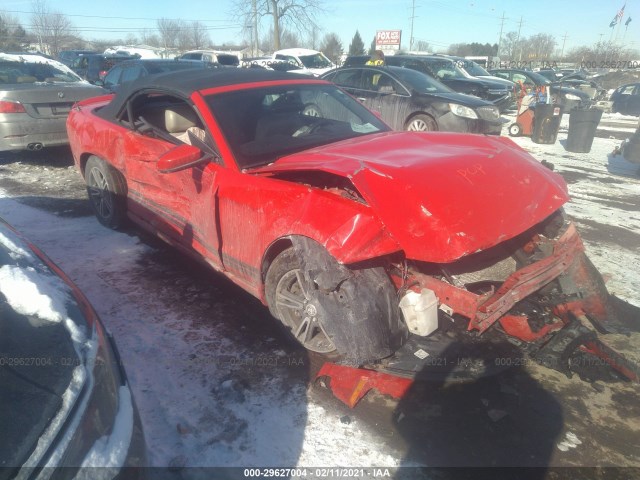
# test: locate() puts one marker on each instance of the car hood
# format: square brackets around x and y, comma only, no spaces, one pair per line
[441,195]
[41,375]
[557,86]
[502,81]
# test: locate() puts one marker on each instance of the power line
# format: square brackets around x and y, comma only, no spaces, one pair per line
[114,18]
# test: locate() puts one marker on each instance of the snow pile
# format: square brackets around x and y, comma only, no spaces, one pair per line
[15,252]
[111,450]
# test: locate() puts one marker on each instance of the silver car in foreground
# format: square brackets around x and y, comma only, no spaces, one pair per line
[36,94]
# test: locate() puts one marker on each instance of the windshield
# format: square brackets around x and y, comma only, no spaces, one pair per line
[317,60]
[264,124]
[445,69]
[539,79]
[473,69]
[12,72]
[419,81]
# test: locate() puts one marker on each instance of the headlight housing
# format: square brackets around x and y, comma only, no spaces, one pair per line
[462,111]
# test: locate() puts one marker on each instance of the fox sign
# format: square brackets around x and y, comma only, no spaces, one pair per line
[388,39]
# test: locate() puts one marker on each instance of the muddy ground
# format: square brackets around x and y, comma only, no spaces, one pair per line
[526,415]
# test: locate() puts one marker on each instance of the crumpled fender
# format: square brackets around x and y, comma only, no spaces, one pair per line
[350,302]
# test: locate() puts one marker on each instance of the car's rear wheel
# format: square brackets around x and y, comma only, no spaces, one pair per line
[107,192]
[289,300]
[421,123]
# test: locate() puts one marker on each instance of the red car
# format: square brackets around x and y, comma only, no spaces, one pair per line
[358,238]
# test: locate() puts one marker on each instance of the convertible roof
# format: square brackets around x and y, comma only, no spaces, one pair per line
[185,82]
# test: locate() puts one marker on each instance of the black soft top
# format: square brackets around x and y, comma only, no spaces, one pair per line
[185,82]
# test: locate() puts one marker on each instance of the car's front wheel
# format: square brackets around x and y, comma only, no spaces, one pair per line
[290,301]
[421,123]
[107,192]
[350,315]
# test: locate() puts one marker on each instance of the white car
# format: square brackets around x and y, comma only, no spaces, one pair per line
[311,62]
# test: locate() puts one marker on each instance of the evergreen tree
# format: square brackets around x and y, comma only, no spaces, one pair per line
[356,47]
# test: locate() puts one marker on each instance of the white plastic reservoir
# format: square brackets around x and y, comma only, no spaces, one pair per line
[420,311]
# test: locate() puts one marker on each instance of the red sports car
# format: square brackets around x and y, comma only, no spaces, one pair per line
[358,238]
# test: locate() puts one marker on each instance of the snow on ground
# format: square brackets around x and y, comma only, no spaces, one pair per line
[605,203]
[203,404]
[213,387]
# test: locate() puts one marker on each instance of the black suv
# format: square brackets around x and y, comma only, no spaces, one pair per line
[68,56]
[94,67]
[448,72]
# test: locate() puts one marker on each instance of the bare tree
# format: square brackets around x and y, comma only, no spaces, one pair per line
[12,35]
[168,30]
[147,37]
[297,15]
[331,46]
[422,46]
[539,47]
[199,35]
[52,29]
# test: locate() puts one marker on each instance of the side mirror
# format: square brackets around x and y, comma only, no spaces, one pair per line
[99,83]
[180,158]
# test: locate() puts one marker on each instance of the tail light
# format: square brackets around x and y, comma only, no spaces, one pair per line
[102,74]
[11,107]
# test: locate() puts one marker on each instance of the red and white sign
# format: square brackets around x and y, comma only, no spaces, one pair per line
[388,39]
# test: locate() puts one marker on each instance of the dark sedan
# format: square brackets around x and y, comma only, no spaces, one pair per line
[568,98]
[447,71]
[131,70]
[65,398]
[410,100]
[626,99]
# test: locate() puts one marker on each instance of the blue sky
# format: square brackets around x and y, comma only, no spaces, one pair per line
[439,22]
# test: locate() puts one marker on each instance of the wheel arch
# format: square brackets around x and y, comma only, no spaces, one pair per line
[420,112]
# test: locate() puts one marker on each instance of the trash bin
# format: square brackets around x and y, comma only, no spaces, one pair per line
[631,148]
[583,123]
[546,123]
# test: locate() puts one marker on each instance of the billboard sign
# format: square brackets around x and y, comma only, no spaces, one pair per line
[388,39]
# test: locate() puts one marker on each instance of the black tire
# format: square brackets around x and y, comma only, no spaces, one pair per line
[107,192]
[515,130]
[421,123]
[285,277]
[349,316]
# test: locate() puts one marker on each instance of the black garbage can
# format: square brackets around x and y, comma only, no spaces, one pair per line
[631,148]
[583,123]
[546,123]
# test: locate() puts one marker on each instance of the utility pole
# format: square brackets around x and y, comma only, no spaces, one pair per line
[564,39]
[518,41]
[254,40]
[500,37]
[413,16]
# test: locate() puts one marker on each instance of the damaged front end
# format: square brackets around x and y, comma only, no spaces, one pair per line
[539,289]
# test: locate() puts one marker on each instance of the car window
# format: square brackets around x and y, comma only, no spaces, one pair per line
[290,59]
[316,60]
[519,77]
[369,80]
[32,72]
[347,78]
[502,74]
[419,81]
[130,73]
[264,124]
[113,77]
[168,118]
[446,70]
